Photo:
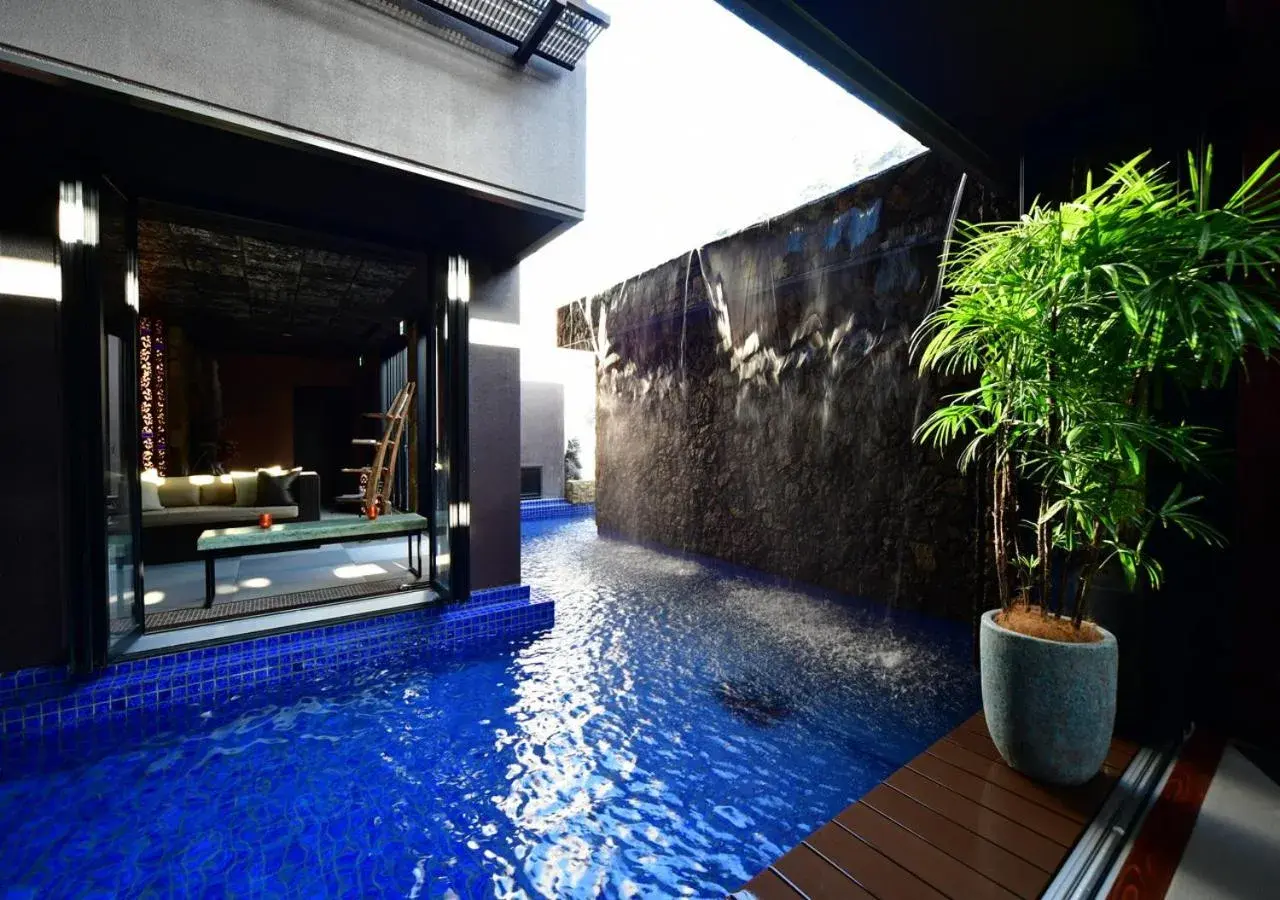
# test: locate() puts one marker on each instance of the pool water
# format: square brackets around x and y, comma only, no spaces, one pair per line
[680,726]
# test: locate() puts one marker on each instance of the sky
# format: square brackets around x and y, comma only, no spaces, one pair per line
[697,126]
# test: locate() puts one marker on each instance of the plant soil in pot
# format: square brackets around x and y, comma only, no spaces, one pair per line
[1050,704]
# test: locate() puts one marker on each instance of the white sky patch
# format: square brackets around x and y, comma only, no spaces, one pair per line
[694,132]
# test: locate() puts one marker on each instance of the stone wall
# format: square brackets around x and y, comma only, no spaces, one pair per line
[756,401]
[579,492]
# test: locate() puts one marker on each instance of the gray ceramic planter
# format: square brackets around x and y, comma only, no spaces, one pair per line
[1050,706]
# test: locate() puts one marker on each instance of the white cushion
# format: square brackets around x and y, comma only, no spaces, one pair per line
[246,488]
[151,497]
[179,493]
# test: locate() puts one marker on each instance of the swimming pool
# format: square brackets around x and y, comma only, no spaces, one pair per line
[680,726]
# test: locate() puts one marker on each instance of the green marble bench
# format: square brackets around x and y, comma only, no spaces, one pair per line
[218,543]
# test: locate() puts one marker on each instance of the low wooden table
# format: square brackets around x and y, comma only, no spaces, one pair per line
[219,543]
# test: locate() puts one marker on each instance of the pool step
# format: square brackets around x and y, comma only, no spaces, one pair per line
[553,508]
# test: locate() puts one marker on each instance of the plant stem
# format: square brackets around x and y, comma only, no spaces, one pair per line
[1088,569]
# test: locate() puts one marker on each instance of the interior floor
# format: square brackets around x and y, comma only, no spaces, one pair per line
[181,585]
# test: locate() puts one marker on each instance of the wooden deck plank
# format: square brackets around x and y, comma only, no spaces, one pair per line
[815,876]
[1078,804]
[975,742]
[769,886]
[1060,830]
[995,862]
[1119,756]
[954,823]
[1013,836]
[919,857]
[980,742]
[874,871]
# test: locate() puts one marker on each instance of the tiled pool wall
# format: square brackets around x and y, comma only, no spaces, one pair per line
[554,508]
[49,700]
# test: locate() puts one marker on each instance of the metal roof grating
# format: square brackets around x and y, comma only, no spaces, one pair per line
[569,38]
[557,30]
[512,19]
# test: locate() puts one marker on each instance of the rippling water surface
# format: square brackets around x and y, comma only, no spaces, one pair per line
[679,727]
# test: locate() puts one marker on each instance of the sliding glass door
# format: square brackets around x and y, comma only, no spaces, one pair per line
[119,236]
[97,233]
[443,437]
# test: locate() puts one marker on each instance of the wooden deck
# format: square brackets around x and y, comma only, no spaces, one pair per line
[955,822]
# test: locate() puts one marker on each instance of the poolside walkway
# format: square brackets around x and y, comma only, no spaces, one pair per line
[955,822]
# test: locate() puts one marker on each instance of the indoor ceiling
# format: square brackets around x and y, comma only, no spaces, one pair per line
[242,292]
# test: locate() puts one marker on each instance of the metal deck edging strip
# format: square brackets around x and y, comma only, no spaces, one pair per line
[1089,863]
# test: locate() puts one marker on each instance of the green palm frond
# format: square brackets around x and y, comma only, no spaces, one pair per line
[1072,317]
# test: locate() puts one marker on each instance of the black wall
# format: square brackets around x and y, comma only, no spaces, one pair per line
[494,387]
[495,466]
[31,562]
[31,428]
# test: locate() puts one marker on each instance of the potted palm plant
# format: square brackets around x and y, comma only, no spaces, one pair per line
[1074,320]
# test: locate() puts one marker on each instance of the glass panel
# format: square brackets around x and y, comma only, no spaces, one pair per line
[119,273]
[442,394]
[121,570]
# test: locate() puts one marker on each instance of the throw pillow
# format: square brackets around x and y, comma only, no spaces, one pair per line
[220,493]
[177,492]
[246,486]
[276,490]
[151,497]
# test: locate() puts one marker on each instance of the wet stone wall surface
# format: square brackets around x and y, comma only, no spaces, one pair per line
[756,399]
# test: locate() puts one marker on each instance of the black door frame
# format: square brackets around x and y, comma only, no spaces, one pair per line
[457,296]
[82,339]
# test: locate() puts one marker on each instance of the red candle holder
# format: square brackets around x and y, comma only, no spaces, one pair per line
[264,520]
[372,511]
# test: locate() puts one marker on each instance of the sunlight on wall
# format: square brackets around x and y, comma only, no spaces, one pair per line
[21,277]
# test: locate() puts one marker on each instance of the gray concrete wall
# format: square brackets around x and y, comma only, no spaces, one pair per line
[495,293]
[495,466]
[542,432]
[333,68]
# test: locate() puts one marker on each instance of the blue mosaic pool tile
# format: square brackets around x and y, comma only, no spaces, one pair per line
[500,594]
[48,701]
[553,508]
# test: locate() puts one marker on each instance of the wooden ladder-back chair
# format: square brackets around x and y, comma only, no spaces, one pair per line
[380,475]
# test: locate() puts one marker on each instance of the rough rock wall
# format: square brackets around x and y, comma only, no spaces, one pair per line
[756,402]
